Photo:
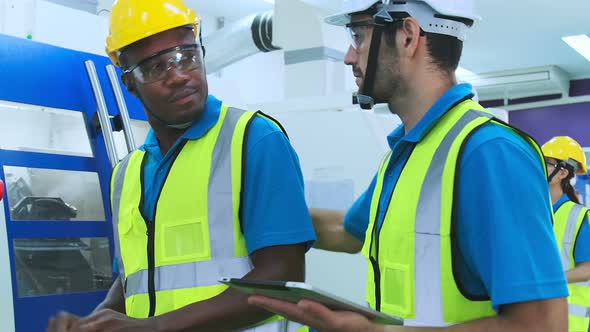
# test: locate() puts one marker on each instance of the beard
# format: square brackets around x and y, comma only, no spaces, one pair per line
[389,84]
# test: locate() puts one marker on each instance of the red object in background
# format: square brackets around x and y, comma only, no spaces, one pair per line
[1,190]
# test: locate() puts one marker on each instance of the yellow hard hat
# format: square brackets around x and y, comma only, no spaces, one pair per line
[565,148]
[133,20]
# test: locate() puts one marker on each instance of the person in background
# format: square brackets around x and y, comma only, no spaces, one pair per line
[456,225]
[214,191]
[565,158]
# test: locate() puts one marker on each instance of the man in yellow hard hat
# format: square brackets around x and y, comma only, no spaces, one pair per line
[565,158]
[214,192]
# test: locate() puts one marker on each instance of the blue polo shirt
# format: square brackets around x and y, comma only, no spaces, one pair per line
[504,230]
[582,248]
[274,209]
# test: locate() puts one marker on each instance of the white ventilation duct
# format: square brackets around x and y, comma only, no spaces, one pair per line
[246,37]
[521,83]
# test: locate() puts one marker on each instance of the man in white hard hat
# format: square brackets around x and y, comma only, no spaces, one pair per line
[455,224]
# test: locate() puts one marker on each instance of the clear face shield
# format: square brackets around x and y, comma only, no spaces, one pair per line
[184,58]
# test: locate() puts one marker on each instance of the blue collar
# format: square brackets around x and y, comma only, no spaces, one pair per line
[195,131]
[440,107]
[560,202]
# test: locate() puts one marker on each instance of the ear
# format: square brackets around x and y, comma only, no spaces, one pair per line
[409,37]
[129,82]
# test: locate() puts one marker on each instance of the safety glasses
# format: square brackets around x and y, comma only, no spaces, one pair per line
[184,58]
[553,165]
[357,32]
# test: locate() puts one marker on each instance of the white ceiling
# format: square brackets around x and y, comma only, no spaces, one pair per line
[514,34]
[527,33]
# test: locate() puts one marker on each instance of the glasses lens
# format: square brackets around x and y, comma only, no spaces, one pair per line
[357,35]
[357,32]
[156,68]
[189,59]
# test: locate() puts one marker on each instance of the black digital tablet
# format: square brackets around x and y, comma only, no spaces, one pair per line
[296,291]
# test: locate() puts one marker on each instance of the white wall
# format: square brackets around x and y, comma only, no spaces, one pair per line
[339,148]
[53,24]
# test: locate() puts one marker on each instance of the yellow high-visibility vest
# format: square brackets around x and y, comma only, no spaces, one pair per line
[567,222]
[195,238]
[410,265]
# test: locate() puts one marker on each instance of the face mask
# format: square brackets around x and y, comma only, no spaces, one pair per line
[574,180]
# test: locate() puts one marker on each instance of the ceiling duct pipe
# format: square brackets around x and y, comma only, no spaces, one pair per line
[246,37]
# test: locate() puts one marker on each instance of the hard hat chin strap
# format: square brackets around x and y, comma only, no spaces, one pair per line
[553,174]
[181,125]
[365,98]
[201,41]
[168,124]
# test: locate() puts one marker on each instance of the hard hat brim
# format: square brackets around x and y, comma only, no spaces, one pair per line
[343,18]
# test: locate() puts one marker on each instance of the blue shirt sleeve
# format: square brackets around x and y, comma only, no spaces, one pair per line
[356,220]
[274,208]
[504,225]
[582,248]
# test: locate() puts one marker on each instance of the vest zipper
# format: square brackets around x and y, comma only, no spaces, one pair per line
[377,280]
[151,228]
[375,263]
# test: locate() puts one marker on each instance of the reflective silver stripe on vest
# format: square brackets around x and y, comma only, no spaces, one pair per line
[578,310]
[188,275]
[221,226]
[116,203]
[428,292]
[221,216]
[569,237]
[292,326]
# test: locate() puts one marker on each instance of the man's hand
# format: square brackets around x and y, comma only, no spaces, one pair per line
[112,321]
[63,322]
[317,316]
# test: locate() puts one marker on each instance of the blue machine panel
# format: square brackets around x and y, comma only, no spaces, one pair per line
[38,74]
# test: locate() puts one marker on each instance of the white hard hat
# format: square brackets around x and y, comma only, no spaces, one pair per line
[427,12]
[456,8]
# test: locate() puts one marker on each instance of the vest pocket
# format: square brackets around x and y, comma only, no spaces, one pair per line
[137,306]
[396,285]
[132,237]
[183,240]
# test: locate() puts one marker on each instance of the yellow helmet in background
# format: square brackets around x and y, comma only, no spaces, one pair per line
[566,148]
[133,20]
